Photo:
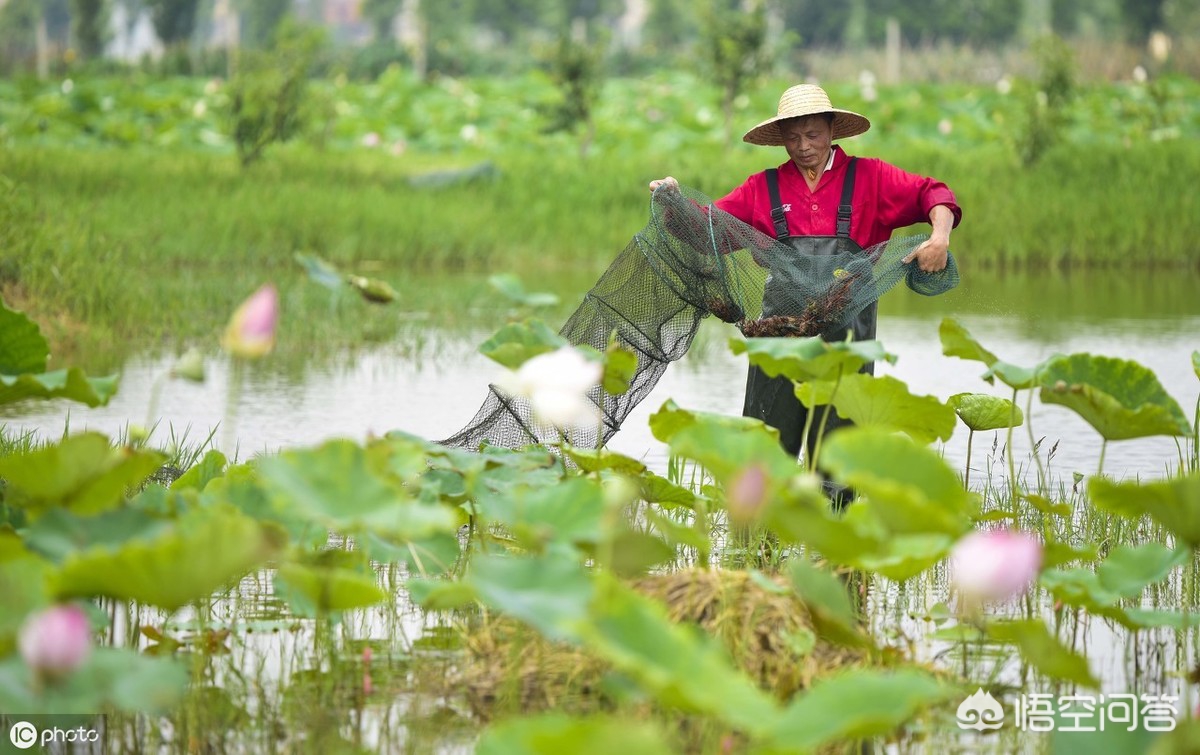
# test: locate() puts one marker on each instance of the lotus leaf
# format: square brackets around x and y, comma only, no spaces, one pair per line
[317,590]
[555,733]
[1043,651]
[24,354]
[550,592]
[907,487]
[344,488]
[1173,503]
[981,412]
[856,704]
[83,473]
[1121,399]
[680,665]
[885,402]
[516,343]
[804,359]
[206,550]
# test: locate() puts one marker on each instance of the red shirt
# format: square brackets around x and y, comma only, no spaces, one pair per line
[885,198]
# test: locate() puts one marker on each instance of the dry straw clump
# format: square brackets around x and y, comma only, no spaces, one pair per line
[764,625]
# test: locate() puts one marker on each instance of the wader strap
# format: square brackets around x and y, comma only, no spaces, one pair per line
[777,216]
[844,209]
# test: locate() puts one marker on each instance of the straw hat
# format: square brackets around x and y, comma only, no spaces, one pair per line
[801,100]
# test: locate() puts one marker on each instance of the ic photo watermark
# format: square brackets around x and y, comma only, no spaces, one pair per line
[1043,712]
[49,733]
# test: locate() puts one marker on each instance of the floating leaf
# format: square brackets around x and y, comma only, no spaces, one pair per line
[206,550]
[885,402]
[83,473]
[1174,503]
[1043,651]
[518,342]
[981,412]
[804,359]
[555,733]
[856,704]
[1120,398]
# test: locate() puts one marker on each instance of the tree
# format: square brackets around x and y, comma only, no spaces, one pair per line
[89,27]
[669,25]
[260,18]
[1141,17]
[734,40]
[174,20]
[380,14]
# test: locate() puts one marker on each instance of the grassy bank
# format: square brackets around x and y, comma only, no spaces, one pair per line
[140,244]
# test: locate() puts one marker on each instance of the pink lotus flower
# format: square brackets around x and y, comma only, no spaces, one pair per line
[56,641]
[251,330]
[995,565]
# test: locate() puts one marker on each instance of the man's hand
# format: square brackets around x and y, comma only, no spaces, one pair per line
[670,183]
[931,255]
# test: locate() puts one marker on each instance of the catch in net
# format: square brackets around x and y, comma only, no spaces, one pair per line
[693,260]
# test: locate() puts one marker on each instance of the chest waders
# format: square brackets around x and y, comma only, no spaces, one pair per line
[773,400]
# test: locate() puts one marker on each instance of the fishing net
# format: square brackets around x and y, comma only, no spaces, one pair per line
[690,261]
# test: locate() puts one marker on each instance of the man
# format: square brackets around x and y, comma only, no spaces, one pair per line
[798,203]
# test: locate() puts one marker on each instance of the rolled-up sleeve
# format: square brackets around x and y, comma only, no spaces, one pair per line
[905,198]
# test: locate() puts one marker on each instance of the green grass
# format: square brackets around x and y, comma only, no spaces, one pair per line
[108,247]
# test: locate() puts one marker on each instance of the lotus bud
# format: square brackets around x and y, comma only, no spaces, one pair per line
[373,290]
[190,366]
[56,641]
[746,494]
[251,330]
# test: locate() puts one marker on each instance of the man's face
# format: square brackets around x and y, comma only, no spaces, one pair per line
[807,140]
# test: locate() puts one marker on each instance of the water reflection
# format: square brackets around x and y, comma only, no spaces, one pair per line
[430,380]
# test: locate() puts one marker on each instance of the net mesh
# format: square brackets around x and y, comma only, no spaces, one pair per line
[690,261]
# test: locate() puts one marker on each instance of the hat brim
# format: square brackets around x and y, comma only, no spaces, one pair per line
[845,124]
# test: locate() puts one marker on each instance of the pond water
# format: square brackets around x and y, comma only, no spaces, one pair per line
[430,380]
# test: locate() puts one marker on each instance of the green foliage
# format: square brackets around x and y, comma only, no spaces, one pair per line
[1047,101]
[260,20]
[733,44]
[577,69]
[380,14]
[1120,398]
[267,95]
[174,20]
[89,27]
[980,411]
[554,733]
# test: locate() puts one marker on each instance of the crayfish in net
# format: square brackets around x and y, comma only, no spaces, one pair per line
[726,311]
[818,315]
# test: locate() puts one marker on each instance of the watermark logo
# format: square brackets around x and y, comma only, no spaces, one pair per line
[980,711]
[23,735]
[1040,712]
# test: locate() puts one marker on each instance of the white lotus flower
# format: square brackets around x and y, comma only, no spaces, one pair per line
[556,384]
